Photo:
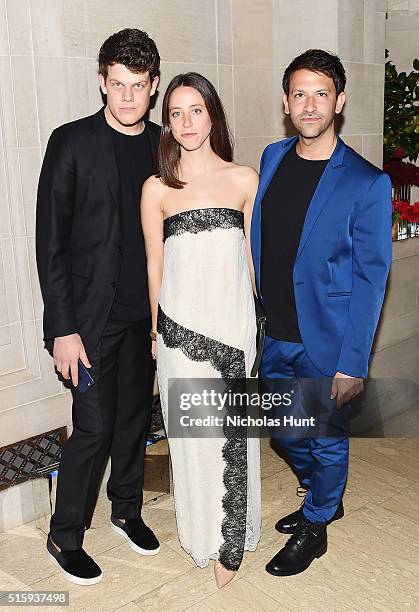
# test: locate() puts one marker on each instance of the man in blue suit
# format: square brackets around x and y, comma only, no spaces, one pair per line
[321,244]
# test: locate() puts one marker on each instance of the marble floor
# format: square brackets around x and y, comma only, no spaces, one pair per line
[372,562]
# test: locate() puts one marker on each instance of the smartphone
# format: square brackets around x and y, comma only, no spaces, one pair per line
[85,379]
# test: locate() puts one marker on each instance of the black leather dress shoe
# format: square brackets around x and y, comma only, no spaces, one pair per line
[289,523]
[307,543]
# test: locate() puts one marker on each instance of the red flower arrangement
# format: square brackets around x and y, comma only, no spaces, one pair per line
[404,211]
[399,153]
[414,213]
[402,173]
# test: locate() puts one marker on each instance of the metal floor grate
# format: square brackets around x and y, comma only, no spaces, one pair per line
[30,458]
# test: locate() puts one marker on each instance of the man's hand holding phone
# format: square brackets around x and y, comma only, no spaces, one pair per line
[66,354]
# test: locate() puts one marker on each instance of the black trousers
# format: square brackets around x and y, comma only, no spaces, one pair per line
[112,417]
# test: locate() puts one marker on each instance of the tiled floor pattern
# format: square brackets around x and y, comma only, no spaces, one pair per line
[372,562]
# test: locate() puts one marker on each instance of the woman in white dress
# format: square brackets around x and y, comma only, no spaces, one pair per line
[196,221]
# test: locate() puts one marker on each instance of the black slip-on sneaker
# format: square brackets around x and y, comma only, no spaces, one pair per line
[76,565]
[139,537]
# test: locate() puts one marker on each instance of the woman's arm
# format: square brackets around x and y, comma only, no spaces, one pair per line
[152,223]
[250,183]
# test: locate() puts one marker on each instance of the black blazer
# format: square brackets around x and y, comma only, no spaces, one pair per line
[78,228]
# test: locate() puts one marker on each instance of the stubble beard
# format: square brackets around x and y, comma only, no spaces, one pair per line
[322,128]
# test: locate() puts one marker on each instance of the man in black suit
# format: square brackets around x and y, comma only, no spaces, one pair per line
[92,271]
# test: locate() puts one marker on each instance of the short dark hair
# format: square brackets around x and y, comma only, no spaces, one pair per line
[220,137]
[133,48]
[317,60]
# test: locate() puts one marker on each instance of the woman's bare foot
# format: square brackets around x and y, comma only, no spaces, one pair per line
[222,575]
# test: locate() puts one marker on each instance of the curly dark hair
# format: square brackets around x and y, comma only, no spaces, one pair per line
[317,60]
[131,47]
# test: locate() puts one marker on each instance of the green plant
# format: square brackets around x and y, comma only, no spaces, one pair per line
[395,217]
[401,112]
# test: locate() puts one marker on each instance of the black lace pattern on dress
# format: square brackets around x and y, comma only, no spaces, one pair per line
[227,360]
[202,220]
[234,500]
[230,363]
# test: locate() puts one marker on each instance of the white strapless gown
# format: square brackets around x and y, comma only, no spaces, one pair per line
[207,329]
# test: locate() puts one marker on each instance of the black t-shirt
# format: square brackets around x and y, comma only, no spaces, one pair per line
[284,209]
[135,164]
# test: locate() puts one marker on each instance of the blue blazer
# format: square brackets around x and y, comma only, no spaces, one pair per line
[343,258]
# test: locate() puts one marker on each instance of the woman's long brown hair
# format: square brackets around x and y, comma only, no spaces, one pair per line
[220,137]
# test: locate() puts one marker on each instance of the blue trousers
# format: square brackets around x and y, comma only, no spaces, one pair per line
[321,463]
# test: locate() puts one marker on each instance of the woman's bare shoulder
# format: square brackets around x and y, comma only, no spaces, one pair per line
[154,185]
[153,190]
[245,175]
